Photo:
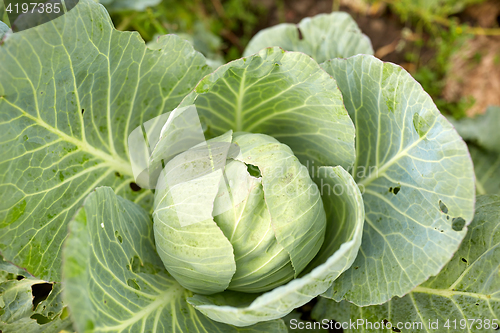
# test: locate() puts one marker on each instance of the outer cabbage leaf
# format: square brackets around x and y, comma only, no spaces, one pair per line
[138,5]
[482,130]
[483,138]
[323,37]
[343,236]
[7,269]
[3,14]
[3,28]
[116,282]
[487,169]
[467,289]
[71,90]
[17,311]
[282,94]
[416,176]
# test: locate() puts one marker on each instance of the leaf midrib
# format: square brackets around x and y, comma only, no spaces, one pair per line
[113,160]
[161,302]
[400,154]
[448,293]
[239,106]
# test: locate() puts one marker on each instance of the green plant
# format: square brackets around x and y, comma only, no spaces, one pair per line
[432,75]
[482,136]
[430,12]
[364,190]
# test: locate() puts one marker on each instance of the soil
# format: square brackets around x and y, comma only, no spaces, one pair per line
[475,72]
[475,68]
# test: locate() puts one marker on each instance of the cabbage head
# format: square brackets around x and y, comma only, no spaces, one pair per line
[250,223]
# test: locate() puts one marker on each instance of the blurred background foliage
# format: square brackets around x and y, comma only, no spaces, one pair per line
[452,47]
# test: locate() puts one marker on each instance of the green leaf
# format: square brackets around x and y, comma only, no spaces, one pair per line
[487,170]
[67,104]
[467,289]
[115,281]
[120,5]
[6,268]
[344,231]
[481,130]
[416,177]
[3,14]
[3,28]
[282,94]
[483,138]
[323,37]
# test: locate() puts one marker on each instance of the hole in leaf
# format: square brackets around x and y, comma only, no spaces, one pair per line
[395,190]
[132,283]
[19,277]
[137,267]
[464,260]
[40,319]
[443,207]
[40,292]
[83,110]
[394,329]
[135,187]
[254,171]
[458,223]
[135,264]
[385,322]
[356,267]
[300,33]
[117,235]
